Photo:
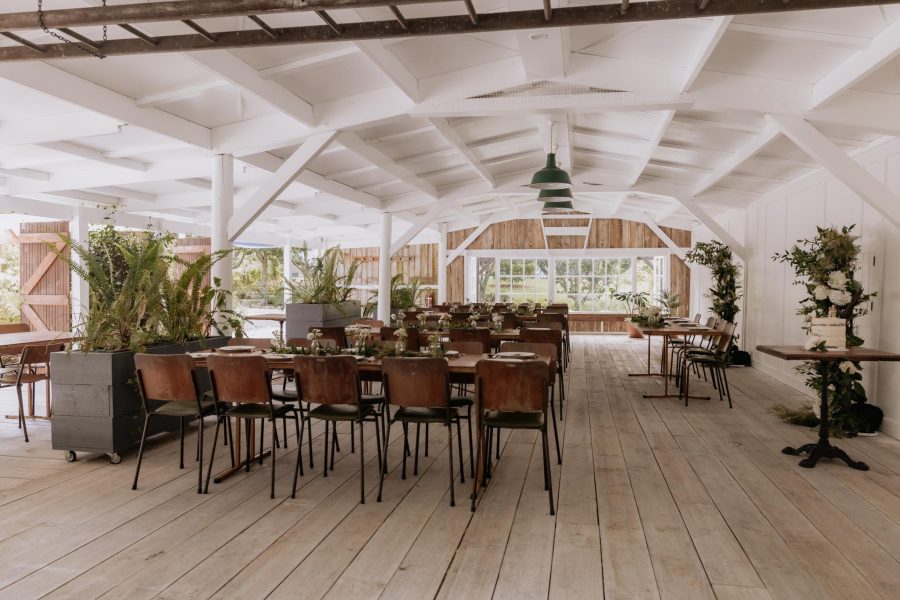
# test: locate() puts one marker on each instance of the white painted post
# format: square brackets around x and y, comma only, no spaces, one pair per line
[442,264]
[384,269]
[286,267]
[222,210]
[80,290]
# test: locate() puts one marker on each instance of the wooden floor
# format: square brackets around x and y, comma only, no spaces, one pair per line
[655,500]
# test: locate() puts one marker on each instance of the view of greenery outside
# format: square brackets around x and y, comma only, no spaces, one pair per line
[486,280]
[523,280]
[588,284]
[9,283]
[258,277]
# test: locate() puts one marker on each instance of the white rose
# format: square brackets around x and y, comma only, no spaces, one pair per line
[393,316]
[310,336]
[812,341]
[821,292]
[847,367]
[839,298]
[837,280]
[816,409]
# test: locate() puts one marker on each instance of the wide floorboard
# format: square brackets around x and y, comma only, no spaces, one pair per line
[654,500]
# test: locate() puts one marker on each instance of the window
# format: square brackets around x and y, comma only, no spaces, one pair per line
[589,284]
[512,280]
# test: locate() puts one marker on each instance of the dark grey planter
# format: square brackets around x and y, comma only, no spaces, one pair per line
[300,317]
[96,403]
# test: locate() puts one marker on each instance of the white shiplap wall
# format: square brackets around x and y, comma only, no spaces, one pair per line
[790,213]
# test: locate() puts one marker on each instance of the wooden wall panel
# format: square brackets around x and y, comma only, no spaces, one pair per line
[419,260]
[44,280]
[190,249]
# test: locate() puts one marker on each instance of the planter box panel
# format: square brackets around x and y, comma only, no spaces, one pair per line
[81,400]
[299,318]
[88,434]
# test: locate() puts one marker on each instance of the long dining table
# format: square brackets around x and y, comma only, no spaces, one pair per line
[13,343]
[462,364]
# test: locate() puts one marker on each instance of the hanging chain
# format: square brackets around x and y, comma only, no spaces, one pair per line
[53,34]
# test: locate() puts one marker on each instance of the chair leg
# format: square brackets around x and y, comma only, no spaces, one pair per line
[335,445]
[471,446]
[309,435]
[387,437]
[478,459]
[181,442]
[450,454]
[406,445]
[200,456]
[547,470]
[462,466]
[498,444]
[352,438]
[362,465]
[727,388]
[247,443]
[325,472]
[284,430]
[274,436]
[22,413]
[377,421]
[426,439]
[212,454]
[555,432]
[262,434]
[137,469]
[416,462]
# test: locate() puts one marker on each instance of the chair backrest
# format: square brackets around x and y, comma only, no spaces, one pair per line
[724,341]
[465,347]
[369,323]
[327,379]
[412,336]
[549,318]
[243,379]
[557,308]
[419,382]
[540,349]
[14,328]
[264,344]
[333,333]
[542,336]
[478,334]
[697,318]
[460,317]
[512,385]
[166,377]
[39,354]
[710,322]
[510,321]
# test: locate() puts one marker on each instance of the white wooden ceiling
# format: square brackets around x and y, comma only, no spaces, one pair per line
[650,118]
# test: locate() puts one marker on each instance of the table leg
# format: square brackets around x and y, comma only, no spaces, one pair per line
[649,372]
[240,462]
[823,448]
[665,375]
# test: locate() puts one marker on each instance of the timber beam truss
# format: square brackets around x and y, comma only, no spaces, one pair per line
[125,16]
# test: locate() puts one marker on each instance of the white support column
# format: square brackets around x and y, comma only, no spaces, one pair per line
[442,264]
[384,269]
[222,210]
[286,268]
[80,291]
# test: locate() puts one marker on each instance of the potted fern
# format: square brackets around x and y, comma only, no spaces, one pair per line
[321,298]
[634,302]
[404,295]
[142,299]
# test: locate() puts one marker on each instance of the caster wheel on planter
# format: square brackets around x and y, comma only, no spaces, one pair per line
[115,458]
[71,456]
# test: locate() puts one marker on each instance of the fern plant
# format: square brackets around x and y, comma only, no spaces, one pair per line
[324,279]
[404,296]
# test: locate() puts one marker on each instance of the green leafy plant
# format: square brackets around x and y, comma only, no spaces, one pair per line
[404,295]
[726,290]
[257,278]
[324,279]
[669,301]
[825,267]
[634,301]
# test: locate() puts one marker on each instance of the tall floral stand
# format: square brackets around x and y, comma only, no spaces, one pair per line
[823,447]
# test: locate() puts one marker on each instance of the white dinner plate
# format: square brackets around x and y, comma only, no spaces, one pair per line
[236,349]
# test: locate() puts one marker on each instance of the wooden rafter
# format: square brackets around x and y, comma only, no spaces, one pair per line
[189,10]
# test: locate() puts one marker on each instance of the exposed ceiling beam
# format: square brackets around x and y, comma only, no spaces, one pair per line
[51,128]
[662,235]
[417,227]
[457,252]
[454,139]
[91,96]
[717,230]
[744,153]
[443,25]
[231,68]
[545,55]
[356,145]
[841,166]
[26,174]
[884,47]
[782,34]
[309,61]
[273,187]
[515,105]
[181,93]
[647,153]
[94,155]
[390,65]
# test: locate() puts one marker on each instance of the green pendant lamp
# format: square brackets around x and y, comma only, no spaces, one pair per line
[555,195]
[558,207]
[551,177]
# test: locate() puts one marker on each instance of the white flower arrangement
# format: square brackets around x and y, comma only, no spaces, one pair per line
[315,334]
[814,342]
[840,297]
[848,367]
[401,334]
[837,280]
[821,292]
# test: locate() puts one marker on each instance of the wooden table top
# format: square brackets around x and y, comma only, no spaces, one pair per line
[12,343]
[677,329]
[267,317]
[853,354]
[464,363]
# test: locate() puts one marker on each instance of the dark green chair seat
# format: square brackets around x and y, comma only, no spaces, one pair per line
[258,411]
[185,409]
[514,420]
[340,412]
[418,414]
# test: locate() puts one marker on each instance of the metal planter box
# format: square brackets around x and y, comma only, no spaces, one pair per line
[96,403]
[300,317]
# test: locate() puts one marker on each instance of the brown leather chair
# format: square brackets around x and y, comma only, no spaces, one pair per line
[246,384]
[547,351]
[481,335]
[333,383]
[420,389]
[168,388]
[374,323]
[510,320]
[338,334]
[547,317]
[536,335]
[264,344]
[33,367]
[413,341]
[12,359]
[512,394]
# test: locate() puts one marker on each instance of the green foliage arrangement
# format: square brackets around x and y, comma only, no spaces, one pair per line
[10,298]
[324,279]
[135,299]
[669,301]
[825,267]
[634,301]
[404,295]
[725,292]
[257,276]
